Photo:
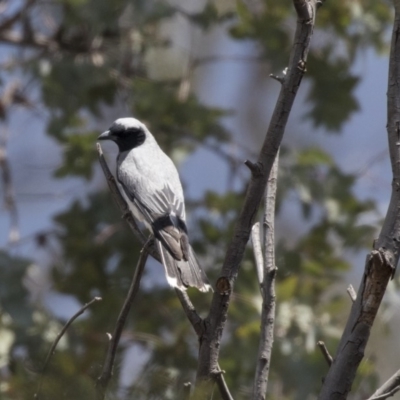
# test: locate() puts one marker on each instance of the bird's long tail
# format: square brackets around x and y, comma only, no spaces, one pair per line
[182,274]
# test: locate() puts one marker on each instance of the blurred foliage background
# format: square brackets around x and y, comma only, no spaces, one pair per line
[75,66]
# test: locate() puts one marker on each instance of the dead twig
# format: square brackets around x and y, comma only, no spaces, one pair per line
[386,395]
[388,389]
[352,293]
[57,339]
[222,386]
[325,352]
[106,374]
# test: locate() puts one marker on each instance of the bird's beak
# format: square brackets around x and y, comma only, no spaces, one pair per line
[105,136]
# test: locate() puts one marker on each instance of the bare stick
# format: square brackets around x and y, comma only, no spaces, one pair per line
[352,293]
[257,250]
[104,378]
[57,339]
[388,394]
[389,388]
[186,390]
[215,322]
[267,289]
[191,313]
[222,386]
[381,262]
[325,352]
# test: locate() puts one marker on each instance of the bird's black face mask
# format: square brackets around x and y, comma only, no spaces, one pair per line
[125,138]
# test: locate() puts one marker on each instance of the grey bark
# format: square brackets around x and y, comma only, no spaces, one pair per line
[381,262]
[215,321]
[267,289]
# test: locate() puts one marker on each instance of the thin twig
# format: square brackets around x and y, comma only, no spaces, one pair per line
[191,313]
[267,288]
[389,388]
[57,339]
[106,374]
[352,293]
[386,395]
[222,386]
[325,352]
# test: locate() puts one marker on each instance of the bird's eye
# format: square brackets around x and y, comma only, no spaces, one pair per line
[133,131]
[121,132]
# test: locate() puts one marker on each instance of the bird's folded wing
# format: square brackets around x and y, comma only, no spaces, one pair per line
[163,210]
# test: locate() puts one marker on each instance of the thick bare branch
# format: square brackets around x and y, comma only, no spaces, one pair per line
[106,374]
[381,262]
[267,289]
[210,343]
[58,338]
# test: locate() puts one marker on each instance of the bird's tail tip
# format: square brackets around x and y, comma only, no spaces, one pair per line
[184,274]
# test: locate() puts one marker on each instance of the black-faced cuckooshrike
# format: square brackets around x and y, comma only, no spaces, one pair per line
[149,182]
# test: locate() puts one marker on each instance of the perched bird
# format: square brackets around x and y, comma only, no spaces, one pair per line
[149,182]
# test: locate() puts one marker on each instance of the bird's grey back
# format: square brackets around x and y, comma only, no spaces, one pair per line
[148,171]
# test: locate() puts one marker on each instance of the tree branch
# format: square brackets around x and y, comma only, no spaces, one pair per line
[58,338]
[222,386]
[186,391]
[389,388]
[191,313]
[215,321]
[7,23]
[106,374]
[325,352]
[388,394]
[381,262]
[189,309]
[352,293]
[267,289]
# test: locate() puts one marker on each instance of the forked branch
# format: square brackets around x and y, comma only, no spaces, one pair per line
[215,321]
